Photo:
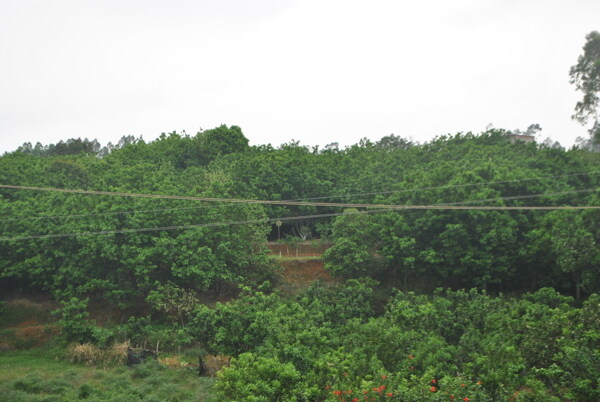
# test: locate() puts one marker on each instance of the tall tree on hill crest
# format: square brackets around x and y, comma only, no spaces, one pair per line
[585,75]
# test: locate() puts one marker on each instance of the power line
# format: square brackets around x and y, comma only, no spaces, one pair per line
[227,200]
[207,206]
[110,213]
[455,186]
[520,197]
[284,202]
[290,218]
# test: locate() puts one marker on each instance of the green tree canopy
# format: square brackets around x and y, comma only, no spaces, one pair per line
[585,75]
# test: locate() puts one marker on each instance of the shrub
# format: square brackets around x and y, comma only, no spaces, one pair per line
[74,320]
[212,364]
[258,378]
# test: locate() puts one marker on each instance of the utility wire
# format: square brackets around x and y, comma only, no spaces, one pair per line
[520,197]
[230,200]
[222,205]
[138,211]
[291,218]
[296,200]
[454,186]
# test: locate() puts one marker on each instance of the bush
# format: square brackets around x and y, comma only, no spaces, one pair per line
[74,320]
[258,378]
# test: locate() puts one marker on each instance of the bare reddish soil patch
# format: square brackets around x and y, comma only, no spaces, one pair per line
[36,334]
[29,323]
[304,272]
[301,264]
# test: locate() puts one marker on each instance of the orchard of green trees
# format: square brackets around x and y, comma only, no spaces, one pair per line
[397,325]
[215,246]
[481,284]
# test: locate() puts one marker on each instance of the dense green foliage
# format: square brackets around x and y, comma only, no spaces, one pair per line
[123,267]
[497,250]
[311,347]
[158,259]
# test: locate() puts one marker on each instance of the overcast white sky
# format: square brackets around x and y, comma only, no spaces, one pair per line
[314,71]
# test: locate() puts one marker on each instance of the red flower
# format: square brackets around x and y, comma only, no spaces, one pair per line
[478,382]
[383,377]
[338,393]
[390,394]
[327,387]
[355,400]
[451,397]
[466,399]
[463,385]
[433,389]
[380,389]
[434,381]
[411,357]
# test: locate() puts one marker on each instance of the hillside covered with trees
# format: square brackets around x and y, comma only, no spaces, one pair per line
[209,246]
[426,242]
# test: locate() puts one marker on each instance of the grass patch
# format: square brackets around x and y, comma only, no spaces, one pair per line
[37,375]
[15,364]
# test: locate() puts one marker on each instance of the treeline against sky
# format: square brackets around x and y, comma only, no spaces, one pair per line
[498,250]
